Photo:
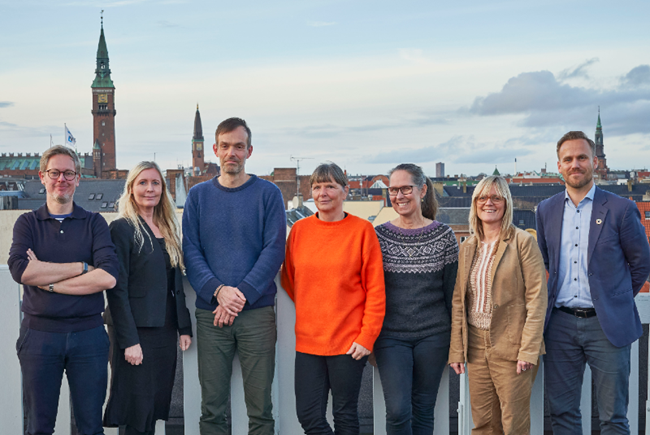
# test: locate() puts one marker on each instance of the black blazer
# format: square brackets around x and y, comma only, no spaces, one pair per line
[139,299]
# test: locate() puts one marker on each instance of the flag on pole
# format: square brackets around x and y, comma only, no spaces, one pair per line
[69,138]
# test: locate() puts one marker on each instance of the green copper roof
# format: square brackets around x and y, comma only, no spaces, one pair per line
[598,126]
[496,171]
[102,72]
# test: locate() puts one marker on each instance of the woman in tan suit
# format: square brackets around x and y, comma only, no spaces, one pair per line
[498,313]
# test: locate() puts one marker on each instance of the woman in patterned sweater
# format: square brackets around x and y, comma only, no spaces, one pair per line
[498,313]
[420,260]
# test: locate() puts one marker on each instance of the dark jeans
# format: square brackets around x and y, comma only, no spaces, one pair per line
[315,376]
[129,430]
[570,343]
[410,372]
[43,358]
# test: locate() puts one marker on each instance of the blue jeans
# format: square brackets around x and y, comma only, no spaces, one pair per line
[43,358]
[570,343]
[315,375]
[410,372]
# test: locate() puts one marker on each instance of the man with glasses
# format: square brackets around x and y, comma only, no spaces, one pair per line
[597,256]
[64,257]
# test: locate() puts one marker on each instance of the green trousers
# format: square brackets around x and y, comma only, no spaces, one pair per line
[252,335]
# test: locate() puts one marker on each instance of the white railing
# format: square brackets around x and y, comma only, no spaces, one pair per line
[11,413]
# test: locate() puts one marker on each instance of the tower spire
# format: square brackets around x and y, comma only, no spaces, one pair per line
[198,156]
[102,71]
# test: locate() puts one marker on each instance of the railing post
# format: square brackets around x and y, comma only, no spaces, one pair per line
[191,386]
[11,407]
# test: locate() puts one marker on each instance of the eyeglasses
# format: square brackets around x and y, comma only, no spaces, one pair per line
[496,199]
[406,190]
[54,174]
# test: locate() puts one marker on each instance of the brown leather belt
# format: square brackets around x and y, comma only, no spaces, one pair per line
[583,313]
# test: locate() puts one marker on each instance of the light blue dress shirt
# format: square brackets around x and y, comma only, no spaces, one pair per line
[574,291]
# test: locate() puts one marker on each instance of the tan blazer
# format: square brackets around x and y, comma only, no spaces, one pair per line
[519,299]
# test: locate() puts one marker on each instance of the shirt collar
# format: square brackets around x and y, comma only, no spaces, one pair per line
[42,213]
[589,195]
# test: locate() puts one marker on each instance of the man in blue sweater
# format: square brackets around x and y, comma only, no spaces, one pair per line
[234,230]
[64,257]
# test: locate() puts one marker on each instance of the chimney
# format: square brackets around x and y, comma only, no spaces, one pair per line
[629,185]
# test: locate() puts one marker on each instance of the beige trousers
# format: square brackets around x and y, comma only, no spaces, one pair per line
[500,398]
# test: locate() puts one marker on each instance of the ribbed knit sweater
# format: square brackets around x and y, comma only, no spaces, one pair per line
[420,272]
[333,273]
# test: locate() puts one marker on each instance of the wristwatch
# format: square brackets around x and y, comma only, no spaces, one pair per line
[51,287]
[85,267]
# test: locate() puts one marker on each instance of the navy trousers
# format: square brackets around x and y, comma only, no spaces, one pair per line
[43,358]
[570,343]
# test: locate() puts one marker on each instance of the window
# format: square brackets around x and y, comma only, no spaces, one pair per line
[521,221]
[647,214]
[463,238]
[42,190]
[91,196]
[99,196]
[104,204]
[111,205]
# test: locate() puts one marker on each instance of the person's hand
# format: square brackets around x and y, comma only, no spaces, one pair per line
[133,354]
[459,368]
[31,256]
[231,299]
[372,360]
[357,351]
[184,342]
[522,366]
[221,317]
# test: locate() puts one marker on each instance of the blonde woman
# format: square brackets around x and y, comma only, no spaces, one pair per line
[147,305]
[498,313]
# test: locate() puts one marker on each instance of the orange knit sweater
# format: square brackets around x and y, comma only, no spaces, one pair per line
[333,272]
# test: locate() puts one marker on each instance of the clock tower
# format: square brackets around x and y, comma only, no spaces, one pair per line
[103,92]
[198,151]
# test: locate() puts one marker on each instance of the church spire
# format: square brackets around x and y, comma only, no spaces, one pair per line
[102,72]
[198,128]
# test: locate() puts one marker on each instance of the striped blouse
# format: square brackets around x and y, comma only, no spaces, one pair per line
[479,306]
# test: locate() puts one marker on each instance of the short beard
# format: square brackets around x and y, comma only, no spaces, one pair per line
[582,183]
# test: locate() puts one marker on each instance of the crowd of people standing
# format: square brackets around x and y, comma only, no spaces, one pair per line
[403,296]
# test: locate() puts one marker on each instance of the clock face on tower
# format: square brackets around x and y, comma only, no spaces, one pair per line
[199,146]
[102,98]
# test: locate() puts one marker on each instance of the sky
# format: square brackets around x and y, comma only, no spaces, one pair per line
[364,84]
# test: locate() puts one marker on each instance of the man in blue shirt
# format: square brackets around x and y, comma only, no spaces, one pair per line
[597,256]
[64,257]
[234,231]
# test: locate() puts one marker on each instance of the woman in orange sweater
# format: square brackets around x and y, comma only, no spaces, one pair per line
[333,272]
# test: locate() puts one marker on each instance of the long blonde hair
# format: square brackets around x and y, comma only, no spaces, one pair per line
[164,215]
[483,188]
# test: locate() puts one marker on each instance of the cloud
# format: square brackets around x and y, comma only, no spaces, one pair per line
[458,149]
[579,71]
[330,130]
[321,23]
[6,103]
[166,24]
[546,102]
[637,77]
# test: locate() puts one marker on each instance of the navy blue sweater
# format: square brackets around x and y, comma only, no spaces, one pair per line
[83,236]
[234,237]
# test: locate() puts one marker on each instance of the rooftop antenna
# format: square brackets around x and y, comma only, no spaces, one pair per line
[297,160]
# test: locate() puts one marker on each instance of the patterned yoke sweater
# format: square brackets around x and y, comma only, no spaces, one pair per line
[420,272]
